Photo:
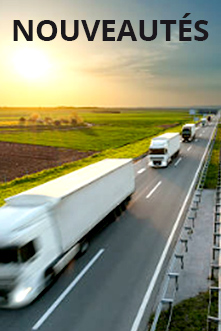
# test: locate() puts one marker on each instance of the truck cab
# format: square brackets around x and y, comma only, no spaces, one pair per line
[188,132]
[27,246]
[204,121]
[158,154]
[163,149]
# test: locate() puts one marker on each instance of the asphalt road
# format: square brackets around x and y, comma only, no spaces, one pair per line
[104,289]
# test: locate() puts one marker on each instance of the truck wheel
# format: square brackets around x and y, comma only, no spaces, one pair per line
[118,210]
[128,199]
[83,247]
[124,205]
[49,276]
[113,216]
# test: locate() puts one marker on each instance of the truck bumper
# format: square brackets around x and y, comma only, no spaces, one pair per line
[158,164]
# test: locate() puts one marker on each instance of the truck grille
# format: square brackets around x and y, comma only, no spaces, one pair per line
[7,284]
[157,162]
[156,158]
[3,300]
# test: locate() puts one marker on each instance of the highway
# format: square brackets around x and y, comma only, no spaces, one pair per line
[104,290]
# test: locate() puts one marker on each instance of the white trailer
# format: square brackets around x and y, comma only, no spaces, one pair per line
[163,148]
[42,229]
[188,132]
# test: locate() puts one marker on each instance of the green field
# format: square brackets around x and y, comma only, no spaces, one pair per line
[123,135]
[190,315]
[108,130]
[212,174]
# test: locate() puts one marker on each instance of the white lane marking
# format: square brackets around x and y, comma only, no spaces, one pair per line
[141,170]
[189,148]
[178,161]
[137,195]
[67,291]
[196,140]
[153,281]
[153,190]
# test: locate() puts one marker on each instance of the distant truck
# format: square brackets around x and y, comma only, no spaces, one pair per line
[188,132]
[42,229]
[204,121]
[209,118]
[163,149]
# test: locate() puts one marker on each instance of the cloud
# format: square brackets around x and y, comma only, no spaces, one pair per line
[131,63]
[125,63]
[175,43]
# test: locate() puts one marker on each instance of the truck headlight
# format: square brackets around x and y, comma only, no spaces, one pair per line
[21,295]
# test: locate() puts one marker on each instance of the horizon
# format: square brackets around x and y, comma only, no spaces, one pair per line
[117,107]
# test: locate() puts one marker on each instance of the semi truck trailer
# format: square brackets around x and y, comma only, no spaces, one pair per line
[188,132]
[42,229]
[163,149]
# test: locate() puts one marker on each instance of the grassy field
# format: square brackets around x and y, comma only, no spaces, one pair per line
[99,115]
[16,186]
[190,315]
[95,139]
[122,135]
[109,130]
[211,178]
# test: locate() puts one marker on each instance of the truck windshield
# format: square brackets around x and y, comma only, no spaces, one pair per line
[157,151]
[9,255]
[186,131]
[17,254]
[27,251]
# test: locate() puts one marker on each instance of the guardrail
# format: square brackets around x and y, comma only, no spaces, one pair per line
[171,282]
[216,257]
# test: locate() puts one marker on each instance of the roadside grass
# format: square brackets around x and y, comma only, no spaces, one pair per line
[24,183]
[211,178]
[189,315]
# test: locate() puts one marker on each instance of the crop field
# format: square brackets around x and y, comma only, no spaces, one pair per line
[32,153]
[102,130]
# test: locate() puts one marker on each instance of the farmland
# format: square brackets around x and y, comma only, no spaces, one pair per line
[105,130]
[46,152]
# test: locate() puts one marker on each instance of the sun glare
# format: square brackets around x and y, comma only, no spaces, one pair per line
[32,64]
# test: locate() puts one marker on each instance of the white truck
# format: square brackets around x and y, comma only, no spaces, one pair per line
[204,121]
[42,229]
[163,149]
[188,132]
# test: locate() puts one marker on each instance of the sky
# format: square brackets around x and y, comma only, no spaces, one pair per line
[125,73]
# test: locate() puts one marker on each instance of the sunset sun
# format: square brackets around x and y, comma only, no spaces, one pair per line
[32,64]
